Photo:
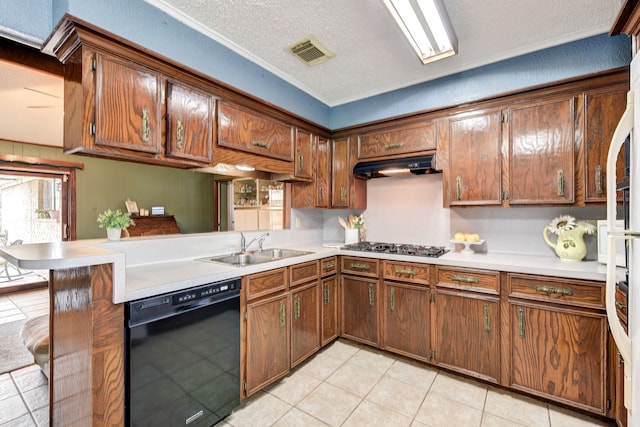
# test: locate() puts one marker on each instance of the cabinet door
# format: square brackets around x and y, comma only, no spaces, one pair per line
[542,153]
[189,123]
[407,139]
[467,335]
[329,309]
[603,111]
[303,160]
[476,160]
[406,320]
[559,354]
[340,173]
[323,173]
[360,309]
[127,105]
[305,323]
[267,334]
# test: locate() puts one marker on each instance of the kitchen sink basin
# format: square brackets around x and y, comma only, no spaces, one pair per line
[254,257]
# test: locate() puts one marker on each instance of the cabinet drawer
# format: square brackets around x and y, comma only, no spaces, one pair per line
[329,266]
[472,280]
[406,272]
[303,273]
[409,139]
[264,283]
[359,266]
[563,291]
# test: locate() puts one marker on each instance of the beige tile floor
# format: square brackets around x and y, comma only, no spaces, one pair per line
[351,385]
[344,385]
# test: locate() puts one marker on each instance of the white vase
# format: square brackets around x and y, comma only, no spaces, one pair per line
[113,233]
[351,235]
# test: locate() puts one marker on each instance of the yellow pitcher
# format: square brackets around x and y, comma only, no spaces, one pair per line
[570,244]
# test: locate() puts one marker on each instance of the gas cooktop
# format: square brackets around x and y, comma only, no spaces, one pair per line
[398,249]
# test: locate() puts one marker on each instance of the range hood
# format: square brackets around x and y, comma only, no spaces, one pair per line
[397,167]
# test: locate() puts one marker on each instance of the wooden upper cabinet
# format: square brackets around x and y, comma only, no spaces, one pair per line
[303,160]
[189,122]
[245,130]
[323,173]
[475,165]
[340,173]
[603,110]
[542,147]
[127,105]
[405,140]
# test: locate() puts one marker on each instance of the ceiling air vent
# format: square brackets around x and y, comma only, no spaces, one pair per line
[310,51]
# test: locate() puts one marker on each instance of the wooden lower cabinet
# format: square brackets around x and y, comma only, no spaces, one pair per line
[467,333]
[406,325]
[330,325]
[267,348]
[305,322]
[360,309]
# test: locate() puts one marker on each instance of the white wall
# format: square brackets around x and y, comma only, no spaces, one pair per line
[409,210]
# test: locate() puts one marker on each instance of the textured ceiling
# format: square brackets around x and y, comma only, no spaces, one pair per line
[372,57]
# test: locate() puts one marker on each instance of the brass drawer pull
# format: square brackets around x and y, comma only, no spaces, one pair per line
[343,193]
[296,307]
[180,135]
[599,180]
[283,319]
[458,188]
[261,144]
[371,301]
[487,318]
[521,322]
[394,146]
[620,305]
[329,266]
[560,183]
[146,125]
[321,189]
[551,290]
[406,271]
[465,279]
[326,294]
[392,297]
[300,161]
[360,266]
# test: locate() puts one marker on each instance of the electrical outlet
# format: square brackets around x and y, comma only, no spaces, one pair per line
[298,222]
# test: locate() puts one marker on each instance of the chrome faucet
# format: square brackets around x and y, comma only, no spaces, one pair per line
[244,245]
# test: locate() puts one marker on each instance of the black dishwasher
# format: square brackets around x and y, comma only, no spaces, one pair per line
[183,356]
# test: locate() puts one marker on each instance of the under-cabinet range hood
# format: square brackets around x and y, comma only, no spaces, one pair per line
[397,167]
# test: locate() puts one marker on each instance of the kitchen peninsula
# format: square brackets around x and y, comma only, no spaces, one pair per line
[90,281]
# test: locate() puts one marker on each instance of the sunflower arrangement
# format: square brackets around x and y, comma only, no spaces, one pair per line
[567,222]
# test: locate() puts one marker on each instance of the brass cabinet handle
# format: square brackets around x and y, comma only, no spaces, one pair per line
[343,193]
[283,320]
[300,161]
[620,305]
[371,301]
[179,135]
[326,294]
[551,290]
[458,188]
[360,266]
[405,271]
[465,279]
[521,322]
[599,180]
[260,144]
[394,146]
[146,126]
[487,318]
[560,183]
[393,299]
[321,189]
[296,307]
[328,266]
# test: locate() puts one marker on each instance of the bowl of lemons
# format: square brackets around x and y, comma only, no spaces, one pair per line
[467,239]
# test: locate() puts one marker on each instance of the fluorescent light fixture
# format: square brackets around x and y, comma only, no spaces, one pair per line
[426,25]
[245,168]
[387,172]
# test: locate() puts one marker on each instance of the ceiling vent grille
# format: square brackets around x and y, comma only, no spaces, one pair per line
[310,51]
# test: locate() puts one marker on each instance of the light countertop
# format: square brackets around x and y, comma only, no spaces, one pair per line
[154,277]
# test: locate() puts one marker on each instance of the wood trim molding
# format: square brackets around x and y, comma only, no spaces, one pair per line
[37,161]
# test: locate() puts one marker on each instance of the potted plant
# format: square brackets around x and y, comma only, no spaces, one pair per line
[114,222]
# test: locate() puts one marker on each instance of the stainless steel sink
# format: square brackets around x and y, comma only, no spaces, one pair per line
[255,257]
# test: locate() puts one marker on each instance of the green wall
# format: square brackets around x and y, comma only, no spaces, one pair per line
[104,184]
